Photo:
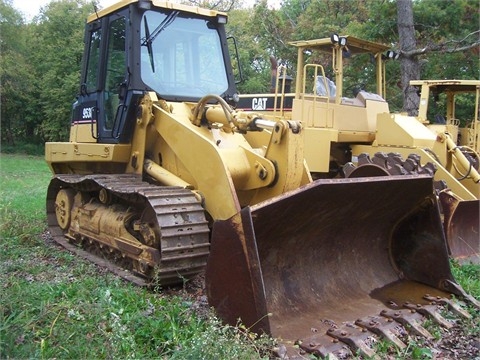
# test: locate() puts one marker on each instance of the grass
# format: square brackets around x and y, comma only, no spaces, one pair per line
[468,276]
[54,305]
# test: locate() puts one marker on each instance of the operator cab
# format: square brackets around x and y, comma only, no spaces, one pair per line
[180,52]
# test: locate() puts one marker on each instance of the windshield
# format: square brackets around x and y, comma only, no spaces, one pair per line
[181,56]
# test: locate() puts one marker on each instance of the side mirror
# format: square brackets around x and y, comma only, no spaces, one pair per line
[122,90]
[83,89]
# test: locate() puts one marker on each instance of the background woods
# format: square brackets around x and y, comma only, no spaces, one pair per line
[40,60]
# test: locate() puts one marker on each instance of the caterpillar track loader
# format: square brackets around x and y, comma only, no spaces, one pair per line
[162,179]
[453,107]
[358,136]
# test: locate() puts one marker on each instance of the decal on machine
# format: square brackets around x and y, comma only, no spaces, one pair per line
[87,113]
[259,103]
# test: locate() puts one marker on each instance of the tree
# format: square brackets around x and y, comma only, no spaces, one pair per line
[40,70]
[447,28]
[15,75]
[57,47]
[410,67]
[220,5]
[253,57]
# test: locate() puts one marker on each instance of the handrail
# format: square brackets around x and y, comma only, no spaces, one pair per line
[317,68]
[475,127]
[283,75]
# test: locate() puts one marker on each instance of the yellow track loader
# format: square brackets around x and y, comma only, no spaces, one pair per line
[163,179]
[358,136]
[453,107]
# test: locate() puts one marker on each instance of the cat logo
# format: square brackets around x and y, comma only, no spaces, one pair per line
[259,104]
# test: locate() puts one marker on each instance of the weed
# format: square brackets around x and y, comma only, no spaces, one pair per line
[468,275]
[420,353]
[219,341]
[433,328]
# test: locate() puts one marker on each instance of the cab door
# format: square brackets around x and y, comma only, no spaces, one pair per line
[99,114]
[115,81]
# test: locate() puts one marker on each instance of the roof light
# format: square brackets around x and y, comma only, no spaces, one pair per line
[334,38]
[221,19]
[145,4]
[338,40]
[392,55]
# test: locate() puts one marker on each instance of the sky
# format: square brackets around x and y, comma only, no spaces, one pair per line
[31,8]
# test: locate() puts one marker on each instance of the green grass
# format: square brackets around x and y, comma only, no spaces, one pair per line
[468,276]
[23,183]
[54,305]
[36,147]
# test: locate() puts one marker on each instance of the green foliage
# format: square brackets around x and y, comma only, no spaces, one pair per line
[254,49]
[448,25]
[16,75]
[219,341]
[27,148]
[40,70]
[419,353]
[57,50]
[468,275]
[253,58]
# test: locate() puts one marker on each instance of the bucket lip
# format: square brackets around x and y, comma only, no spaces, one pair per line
[343,181]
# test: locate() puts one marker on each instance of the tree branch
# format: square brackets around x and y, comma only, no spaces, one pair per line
[442,47]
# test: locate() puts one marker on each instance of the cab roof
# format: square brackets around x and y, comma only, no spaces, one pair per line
[156,3]
[449,85]
[354,45]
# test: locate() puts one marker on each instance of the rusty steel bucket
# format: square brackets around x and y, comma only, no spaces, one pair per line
[329,252]
[461,224]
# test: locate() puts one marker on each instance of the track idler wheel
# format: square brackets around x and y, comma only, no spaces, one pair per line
[142,268]
[63,207]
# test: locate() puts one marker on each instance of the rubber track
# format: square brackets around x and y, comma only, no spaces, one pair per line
[184,231]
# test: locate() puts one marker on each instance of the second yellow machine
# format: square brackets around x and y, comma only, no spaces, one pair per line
[351,132]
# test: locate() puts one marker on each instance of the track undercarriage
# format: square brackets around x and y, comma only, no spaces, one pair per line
[149,232]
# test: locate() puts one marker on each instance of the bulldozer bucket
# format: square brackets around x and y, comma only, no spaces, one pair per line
[327,253]
[461,224]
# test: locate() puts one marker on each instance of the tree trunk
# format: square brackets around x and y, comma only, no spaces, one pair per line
[409,65]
